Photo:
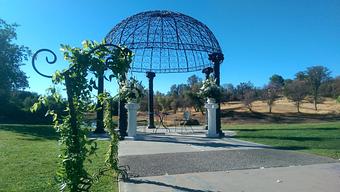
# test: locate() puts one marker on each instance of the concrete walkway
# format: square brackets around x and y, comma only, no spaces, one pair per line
[309,178]
[191,162]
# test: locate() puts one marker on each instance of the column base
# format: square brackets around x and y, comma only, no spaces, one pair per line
[130,138]
[212,135]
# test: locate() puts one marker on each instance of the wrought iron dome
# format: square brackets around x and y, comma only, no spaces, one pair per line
[165,42]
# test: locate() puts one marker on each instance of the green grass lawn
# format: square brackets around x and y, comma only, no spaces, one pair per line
[28,159]
[318,138]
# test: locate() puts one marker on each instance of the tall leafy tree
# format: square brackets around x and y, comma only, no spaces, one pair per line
[301,76]
[12,57]
[315,76]
[277,81]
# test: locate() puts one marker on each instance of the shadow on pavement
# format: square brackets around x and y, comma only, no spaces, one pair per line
[145,181]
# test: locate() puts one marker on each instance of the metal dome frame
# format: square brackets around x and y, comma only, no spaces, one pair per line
[165,42]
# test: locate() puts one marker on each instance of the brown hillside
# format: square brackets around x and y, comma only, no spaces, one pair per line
[283,111]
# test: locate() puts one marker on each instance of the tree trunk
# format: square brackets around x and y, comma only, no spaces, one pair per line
[316,100]
[298,106]
[249,107]
[270,109]
[315,104]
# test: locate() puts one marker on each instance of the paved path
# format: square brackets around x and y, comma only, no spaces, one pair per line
[309,178]
[192,162]
[209,161]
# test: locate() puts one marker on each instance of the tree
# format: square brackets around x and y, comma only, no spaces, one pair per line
[12,57]
[270,93]
[249,98]
[300,76]
[327,88]
[194,100]
[336,87]
[277,81]
[246,93]
[228,93]
[162,102]
[315,76]
[194,80]
[296,91]
[242,88]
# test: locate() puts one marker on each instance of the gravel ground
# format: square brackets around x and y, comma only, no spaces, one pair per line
[209,161]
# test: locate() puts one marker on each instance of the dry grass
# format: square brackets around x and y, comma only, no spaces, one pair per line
[282,111]
[328,106]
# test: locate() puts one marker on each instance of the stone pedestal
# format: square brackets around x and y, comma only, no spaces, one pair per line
[211,107]
[132,119]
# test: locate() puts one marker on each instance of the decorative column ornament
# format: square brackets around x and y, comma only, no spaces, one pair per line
[151,123]
[217,59]
[211,107]
[207,71]
[132,119]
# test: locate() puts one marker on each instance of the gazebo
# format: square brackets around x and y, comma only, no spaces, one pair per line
[167,42]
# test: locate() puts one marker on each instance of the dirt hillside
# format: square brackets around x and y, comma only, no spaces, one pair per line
[283,111]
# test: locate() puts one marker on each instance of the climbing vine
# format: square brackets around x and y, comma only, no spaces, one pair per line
[76,147]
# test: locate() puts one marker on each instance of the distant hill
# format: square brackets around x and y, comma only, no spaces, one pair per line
[284,111]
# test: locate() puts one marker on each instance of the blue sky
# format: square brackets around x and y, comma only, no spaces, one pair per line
[259,38]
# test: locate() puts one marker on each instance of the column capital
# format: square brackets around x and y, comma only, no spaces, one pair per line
[216,57]
[150,74]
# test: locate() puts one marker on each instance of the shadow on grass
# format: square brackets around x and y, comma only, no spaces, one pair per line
[174,187]
[283,129]
[302,139]
[293,148]
[278,117]
[40,132]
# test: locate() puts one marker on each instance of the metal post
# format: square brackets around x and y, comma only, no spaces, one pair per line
[100,110]
[217,59]
[122,123]
[151,123]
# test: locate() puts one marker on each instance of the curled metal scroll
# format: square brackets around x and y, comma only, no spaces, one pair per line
[35,55]
[54,60]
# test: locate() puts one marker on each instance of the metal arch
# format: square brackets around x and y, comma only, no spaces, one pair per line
[165,42]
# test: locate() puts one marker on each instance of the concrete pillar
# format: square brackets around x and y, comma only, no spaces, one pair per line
[132,119]
[211,107]
[151,122]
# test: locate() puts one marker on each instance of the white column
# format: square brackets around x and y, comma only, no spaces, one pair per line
[211,108]
[132,119]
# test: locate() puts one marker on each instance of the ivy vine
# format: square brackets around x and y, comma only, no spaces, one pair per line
[76,147]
